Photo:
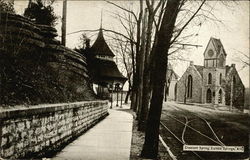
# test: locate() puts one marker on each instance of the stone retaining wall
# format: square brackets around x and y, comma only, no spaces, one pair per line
[42,129]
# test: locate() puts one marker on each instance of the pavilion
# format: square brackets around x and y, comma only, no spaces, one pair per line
[103,71]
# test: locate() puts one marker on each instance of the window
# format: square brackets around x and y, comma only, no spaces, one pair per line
[220,78]
[210,53]
[210,63]
[234,85]
[221,61]
[209,78]
[220,97]
[190,86]
[234,81]
[167,91]
[206,65]
[209,96]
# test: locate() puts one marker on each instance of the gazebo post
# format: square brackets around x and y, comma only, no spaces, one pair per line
[121,95]
[111,99]
[117,94]
[111,96]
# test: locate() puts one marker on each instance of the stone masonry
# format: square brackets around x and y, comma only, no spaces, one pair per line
[213,83]
[34,132]
[196,89]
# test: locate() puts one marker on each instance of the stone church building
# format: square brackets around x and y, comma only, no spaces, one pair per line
[214,82]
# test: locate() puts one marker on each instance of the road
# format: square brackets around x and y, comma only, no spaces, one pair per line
[195,125]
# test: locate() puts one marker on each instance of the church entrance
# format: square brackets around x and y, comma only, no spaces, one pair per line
[220,97]
[209,96]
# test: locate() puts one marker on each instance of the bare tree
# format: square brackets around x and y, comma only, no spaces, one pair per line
[159,60]
[132,24]
[124,60]
[243,58]
[165,37]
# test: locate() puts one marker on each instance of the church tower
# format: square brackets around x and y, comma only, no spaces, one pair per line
[214,73]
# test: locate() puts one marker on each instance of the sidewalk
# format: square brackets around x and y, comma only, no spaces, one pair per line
[110,139]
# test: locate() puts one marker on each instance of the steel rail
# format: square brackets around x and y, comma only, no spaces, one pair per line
[179,139]
[208,124]
[195,130]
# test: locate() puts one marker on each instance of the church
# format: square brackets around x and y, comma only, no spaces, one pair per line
[214,82]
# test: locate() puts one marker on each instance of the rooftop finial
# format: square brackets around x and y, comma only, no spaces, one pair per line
[101,21]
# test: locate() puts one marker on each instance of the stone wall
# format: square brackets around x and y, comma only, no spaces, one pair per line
[236,90]
[42,129]
[215,85]
[196,87]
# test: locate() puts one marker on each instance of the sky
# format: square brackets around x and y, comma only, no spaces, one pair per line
[233,32]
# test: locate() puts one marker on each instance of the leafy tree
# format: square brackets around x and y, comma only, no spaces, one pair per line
[6,7]
[41,13]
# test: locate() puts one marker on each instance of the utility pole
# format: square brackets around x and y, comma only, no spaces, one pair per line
[64,16]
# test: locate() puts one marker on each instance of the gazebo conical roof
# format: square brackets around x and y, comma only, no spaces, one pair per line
[100,47]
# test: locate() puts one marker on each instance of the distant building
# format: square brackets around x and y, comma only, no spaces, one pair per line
[215,82]
[170,85]
[103,71]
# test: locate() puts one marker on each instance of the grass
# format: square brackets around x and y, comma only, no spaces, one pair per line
[137,144]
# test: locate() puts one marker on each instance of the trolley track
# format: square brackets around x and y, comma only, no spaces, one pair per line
[195,153]
[182,139]
[184,127]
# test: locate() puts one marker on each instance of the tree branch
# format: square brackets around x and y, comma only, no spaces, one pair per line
[130,12]
[178,34]
[107,30]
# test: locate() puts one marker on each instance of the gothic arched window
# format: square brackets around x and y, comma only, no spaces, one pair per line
[209,96]
[234,80]
[190,86]
[220,96]
[234,85]
[220,78]
[209,78]
[221,61]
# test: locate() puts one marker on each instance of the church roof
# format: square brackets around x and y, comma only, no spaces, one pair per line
[199,69]
[171,72]
[217,45]
[100,47]
[228,68]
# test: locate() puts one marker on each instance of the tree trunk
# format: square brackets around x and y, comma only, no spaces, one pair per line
[146,76]
[145,103]
[142,60]
[185,91]
[133,96]
[165,92]
[150,147]
[127,96]
[136,82]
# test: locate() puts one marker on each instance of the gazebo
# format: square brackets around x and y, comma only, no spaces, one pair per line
[104,73]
